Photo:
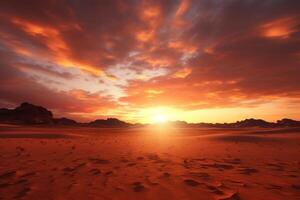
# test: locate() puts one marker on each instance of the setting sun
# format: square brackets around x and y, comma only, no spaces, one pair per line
[160,119]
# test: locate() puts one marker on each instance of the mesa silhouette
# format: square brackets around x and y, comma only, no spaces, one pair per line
[29,114]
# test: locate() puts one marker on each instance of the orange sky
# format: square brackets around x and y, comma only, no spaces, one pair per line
[192,60]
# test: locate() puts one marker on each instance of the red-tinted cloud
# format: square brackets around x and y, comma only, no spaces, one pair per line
[101,56]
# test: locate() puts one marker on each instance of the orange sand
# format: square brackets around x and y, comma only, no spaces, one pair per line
[149,163]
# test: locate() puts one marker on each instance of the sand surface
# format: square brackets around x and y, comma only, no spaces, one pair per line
[149,163]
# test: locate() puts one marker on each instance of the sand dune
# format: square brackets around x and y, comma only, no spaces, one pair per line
[149,163]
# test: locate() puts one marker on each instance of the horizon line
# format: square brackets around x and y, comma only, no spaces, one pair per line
[153,123]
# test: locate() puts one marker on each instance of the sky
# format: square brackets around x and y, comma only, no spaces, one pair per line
[191,60]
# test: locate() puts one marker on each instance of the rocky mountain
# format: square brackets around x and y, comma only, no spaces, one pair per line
[288,123]
[30,114]
[247,123]
[253,123]
[26,114]
[65,121]
[109,122]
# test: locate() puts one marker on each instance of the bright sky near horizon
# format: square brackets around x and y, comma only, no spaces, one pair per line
[147,61]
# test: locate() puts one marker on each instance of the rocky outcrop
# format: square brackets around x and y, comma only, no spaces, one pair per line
[288,123]
[109,122]
[26,114]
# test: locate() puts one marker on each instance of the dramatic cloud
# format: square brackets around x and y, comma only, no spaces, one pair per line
[89,59]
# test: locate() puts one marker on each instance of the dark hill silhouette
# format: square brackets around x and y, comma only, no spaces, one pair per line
[65,121]
[27,114]
[109,122]
[178,123]
[288,123]
[31,114]
[247,123]
[253,123]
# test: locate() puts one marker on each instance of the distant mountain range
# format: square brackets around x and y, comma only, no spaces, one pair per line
[28,114]
[247,123]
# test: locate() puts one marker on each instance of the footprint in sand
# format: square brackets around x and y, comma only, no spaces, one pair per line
[235,183]
[80,165]
[247,170]
[95,171]
[109,173]
[201,175]
[291,175]
[275,166]
[166,175]
[70,170]
[234,161]
[99,161]
[232,196]
[131,164]
[138,187]
[4,185]
[22,193]
[21,181]
[153,156]
[191,182]
[123,160]
[219,166]
[19,148]
[29,174]
[140,158]
[273,187]
[119,189]
[8,174]
[295,186]
[214,189]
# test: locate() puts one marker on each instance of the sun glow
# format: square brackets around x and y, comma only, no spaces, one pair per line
[160,119]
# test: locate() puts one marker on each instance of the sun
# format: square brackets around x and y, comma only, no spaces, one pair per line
[160,119]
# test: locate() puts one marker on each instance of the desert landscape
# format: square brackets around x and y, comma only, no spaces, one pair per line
[149,100]
[156,162]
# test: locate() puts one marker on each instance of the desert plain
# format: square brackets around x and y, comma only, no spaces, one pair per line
[155,162]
